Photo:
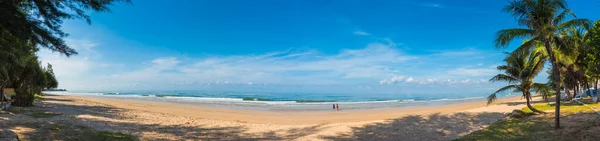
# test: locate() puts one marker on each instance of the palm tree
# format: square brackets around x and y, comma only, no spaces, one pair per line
[579,64]
[543,21]
[519,71]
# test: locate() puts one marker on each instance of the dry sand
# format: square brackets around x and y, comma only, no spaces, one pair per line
[161,121]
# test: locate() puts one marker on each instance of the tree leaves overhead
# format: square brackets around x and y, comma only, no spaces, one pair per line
[26,25]
[39,21]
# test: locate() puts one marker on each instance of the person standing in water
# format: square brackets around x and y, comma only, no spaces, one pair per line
[334,106]
[337,107]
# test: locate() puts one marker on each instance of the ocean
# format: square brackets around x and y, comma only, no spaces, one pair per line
[286,101]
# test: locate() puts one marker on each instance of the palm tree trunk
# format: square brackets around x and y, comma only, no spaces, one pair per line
[556,78]
[596,87]
[576,90]
[2,95]
[568,93]
[587,87]
[528,97]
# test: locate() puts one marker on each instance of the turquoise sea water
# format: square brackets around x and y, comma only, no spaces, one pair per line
[282,101]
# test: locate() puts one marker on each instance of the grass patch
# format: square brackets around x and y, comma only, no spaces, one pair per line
[565,107]
[541,127]
[43,115]
[541,107]
[513,129]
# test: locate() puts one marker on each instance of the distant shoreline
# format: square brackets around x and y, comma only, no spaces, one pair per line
[261,104]
[297,117]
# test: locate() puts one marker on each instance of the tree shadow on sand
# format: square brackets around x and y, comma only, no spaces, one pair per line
[106,118]
[416,127]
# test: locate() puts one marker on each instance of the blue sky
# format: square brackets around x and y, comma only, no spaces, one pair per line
[352,45]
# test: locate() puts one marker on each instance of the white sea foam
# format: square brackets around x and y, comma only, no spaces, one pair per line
[242,101]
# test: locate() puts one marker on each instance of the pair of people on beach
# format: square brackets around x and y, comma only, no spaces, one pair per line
[336,107]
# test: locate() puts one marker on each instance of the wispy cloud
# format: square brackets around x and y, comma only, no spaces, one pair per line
[450,7]
[286,67]
[76,71]
[429,81]
[457,53]
[376,63]
[361,33]
[72,67]
[380,62]
[435,5]
[473,71]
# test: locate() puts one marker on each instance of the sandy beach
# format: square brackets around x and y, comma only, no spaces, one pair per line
[160,121]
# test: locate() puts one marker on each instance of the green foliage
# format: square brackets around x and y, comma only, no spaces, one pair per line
[39,21]
[28,78]
[26,25]
[593,57]
[51,81]
[37,97]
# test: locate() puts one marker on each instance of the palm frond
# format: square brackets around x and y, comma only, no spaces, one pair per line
[538,64]
[574,23]
[504,78]
[526,46]
[492,97]
[502,67]
[543,89]
[562,16]
[505,36]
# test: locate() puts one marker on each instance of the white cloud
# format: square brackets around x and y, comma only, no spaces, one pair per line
[473,71]
[482,81]
[434,5]
[457,53]
[79,71]
[465,81]
[285,67]
[410,79]
[452,7]
[70,67]
[430,81]
[393,80]
[376,62]
[362,33]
